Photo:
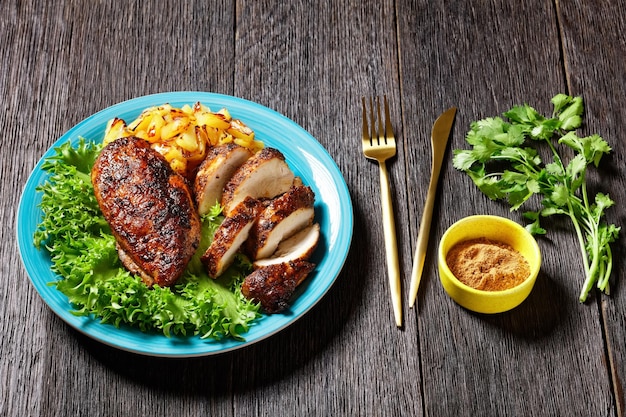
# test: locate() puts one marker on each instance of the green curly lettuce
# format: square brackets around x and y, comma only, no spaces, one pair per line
[82,252]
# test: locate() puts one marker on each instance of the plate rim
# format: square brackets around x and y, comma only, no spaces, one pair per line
[83,324]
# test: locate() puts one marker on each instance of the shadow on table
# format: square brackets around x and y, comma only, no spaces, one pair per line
[555,295]
[536,317]
[249,367]
[548,306]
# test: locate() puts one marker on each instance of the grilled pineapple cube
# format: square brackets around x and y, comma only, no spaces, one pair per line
[183,135]
[116,128]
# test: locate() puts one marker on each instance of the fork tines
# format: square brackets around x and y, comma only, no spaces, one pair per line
[382,135]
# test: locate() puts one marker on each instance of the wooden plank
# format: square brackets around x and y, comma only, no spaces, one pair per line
[313,64]
[547,355]
[29,85]
[64,62]
[594,51]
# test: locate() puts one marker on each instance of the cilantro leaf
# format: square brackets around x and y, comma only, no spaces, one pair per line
[505,164]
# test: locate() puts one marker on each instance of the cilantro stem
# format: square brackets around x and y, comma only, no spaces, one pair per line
[588,284]
[562,186]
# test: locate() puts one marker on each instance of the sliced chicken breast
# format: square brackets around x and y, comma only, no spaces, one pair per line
[230,236]
[273,285]
[217,168]
[282,218]
[264,175]
[298,247]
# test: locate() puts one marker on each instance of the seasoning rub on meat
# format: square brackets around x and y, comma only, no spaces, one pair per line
[149,208]
[154,214]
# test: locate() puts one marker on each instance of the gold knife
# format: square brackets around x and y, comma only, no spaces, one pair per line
[439,140]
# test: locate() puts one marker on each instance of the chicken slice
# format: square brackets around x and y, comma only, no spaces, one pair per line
[230,236]
[273,285]
[264,175]
[149,208]
[298,247]
[217,168]
[282,218]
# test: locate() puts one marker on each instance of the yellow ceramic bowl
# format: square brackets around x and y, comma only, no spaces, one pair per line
[494,228]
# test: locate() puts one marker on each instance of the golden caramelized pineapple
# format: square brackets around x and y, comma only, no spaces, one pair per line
[184,135]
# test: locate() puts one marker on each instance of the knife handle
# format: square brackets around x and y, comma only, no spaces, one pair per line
[422,241]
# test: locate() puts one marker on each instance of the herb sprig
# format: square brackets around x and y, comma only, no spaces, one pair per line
[505,165]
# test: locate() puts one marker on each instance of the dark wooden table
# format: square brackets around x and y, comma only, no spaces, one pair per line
[313,61]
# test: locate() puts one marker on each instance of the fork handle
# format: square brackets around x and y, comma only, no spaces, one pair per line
[391,248]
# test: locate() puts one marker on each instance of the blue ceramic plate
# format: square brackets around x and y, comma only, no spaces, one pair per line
[304,154]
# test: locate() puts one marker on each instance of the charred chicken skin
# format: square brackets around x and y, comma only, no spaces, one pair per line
[229,237]
[282,218]
[217,168]
[272,286]
[149,208]
[263,176]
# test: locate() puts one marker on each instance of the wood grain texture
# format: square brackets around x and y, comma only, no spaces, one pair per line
[514,56]
[313,61]
[595,50]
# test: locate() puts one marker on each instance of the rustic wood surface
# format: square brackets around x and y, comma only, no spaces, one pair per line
[312,61]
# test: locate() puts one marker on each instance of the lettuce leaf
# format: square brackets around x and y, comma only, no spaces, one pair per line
[82,252]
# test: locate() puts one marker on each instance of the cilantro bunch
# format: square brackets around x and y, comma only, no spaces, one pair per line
[505,164]
[83,253]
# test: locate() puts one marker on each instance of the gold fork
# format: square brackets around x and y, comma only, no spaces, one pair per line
[381,145]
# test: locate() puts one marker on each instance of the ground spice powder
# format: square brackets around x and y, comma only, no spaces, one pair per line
[487,264]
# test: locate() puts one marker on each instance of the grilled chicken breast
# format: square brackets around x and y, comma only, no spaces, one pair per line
[273,285]
[217,168]
[282,218]
[229,237]
[298,247]
[149,208]
[265,175]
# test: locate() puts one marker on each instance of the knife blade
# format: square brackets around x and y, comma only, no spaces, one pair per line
[439,141]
